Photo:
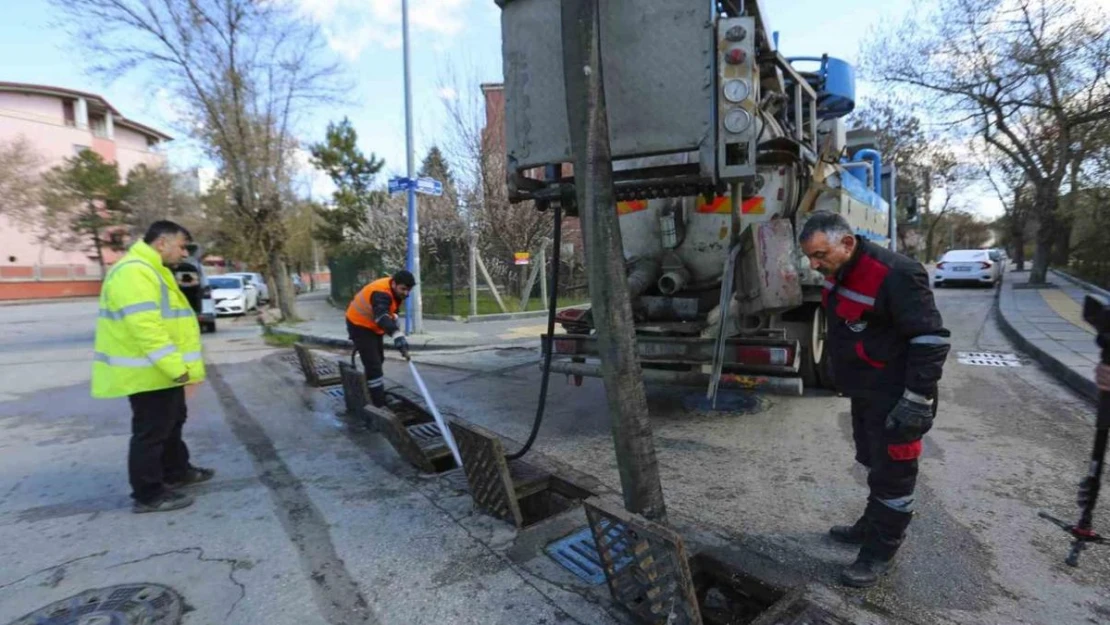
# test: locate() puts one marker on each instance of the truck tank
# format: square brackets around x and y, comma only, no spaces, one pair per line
[722,294]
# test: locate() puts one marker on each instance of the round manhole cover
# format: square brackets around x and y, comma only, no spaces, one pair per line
[127,604]
[727,401]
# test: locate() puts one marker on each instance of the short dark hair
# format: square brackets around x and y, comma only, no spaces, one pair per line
[405,278]
[834,225]
[160,228]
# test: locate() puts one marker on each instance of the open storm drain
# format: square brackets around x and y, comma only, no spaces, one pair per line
[578,554]
[335,392]
[989,359]
[128,604]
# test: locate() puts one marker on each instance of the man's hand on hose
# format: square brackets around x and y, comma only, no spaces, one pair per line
[402,345]
[911,417]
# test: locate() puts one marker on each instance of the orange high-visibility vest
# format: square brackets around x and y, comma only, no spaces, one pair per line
[361,310]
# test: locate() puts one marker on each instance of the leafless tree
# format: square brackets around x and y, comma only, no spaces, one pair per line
[20,180]
[1026,76]
[154,193]
[476,148]
[242,71]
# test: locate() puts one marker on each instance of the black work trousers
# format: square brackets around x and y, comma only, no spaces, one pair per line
[371,349]
[157,453]
[892,465]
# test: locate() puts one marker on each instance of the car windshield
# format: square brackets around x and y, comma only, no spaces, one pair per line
[225,283]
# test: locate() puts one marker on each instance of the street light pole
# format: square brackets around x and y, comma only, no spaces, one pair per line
[414,311]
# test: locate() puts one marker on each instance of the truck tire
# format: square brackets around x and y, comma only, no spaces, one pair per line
[815,366]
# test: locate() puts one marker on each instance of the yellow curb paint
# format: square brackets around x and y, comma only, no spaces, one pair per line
[1067,308]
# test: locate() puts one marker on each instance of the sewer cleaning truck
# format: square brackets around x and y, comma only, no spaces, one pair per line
[722,147]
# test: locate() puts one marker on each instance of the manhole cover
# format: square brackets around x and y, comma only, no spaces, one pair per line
[727,401]
[335,392]
[988,359]
[290,358]
[129,604]
[578,554]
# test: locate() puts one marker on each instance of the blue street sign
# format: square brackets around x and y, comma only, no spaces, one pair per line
[429,186]
[398,184]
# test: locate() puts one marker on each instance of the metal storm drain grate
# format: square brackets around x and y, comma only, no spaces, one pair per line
[578,554]
[645,564]
[425,432]
[129,604]
[335,392]
[989,359]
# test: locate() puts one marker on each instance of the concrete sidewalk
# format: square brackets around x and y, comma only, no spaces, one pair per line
[326,325]
[1047,323]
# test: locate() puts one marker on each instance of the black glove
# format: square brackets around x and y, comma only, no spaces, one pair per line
[910,419]
[402,345]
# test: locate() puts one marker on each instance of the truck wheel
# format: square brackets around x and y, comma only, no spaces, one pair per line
[815,365]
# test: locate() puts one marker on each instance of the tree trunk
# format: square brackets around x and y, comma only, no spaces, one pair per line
[930,241]
[97,243]
[609,294]
[1018,238]
[1045,207]
[1061,245]
[284,294]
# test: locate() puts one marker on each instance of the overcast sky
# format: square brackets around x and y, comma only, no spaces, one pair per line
[448,36]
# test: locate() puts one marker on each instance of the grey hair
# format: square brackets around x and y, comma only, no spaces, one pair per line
[833,225]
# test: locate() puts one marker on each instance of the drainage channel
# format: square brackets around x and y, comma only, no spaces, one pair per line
[647,567]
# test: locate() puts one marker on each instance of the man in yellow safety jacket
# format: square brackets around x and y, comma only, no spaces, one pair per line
[371,315]
[148,349]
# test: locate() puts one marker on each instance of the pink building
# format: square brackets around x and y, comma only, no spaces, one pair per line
[59,123]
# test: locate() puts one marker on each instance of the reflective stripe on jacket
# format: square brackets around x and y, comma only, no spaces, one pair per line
[147,334]
[885,333]
[375,307]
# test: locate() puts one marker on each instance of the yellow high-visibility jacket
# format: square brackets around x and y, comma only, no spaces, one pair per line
[147,334]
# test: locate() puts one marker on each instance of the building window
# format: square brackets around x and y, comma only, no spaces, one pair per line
[99,126]
[78,149]
[68,113]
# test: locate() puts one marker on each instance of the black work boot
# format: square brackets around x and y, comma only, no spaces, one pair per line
[377,397]
[886,530]
[866,570]
[849,534]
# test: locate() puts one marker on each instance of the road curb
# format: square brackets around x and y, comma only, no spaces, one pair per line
[48,300]
[1086,286]
[1059,370]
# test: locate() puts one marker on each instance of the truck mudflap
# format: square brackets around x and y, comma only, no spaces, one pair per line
[768,364]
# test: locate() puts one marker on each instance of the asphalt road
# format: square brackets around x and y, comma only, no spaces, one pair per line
[774,476]
[312,520]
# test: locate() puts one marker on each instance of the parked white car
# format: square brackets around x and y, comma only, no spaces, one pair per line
[259,283]
[967,267]
[233,295]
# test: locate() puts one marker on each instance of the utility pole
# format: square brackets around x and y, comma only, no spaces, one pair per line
[414,308]
[611,309]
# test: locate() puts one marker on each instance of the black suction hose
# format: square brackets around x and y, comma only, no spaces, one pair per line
[550,336]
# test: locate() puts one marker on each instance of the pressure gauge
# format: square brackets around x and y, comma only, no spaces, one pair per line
[737,121]
[737,90]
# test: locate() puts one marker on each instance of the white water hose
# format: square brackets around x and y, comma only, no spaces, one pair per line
[447,436]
